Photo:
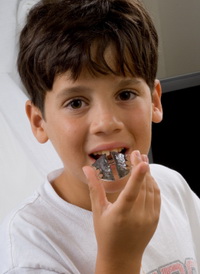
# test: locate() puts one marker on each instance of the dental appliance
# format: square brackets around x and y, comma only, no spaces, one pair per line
[113,166]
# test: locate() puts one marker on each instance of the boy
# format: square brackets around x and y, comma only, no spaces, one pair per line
[90,70]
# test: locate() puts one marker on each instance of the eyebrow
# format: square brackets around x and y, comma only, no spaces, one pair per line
[72,90]
[131,81]
[81,88]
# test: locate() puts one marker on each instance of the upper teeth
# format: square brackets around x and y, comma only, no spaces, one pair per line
[107,152]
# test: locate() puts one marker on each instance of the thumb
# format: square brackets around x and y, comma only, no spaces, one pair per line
[97,191]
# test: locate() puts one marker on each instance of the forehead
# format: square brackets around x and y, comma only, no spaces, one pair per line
[119,60]
[109,55]
[87,83]
[106,60]
[108,64]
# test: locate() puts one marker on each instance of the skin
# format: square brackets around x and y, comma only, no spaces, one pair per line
[103,113]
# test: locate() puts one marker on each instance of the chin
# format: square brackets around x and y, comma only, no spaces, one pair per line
[115,186]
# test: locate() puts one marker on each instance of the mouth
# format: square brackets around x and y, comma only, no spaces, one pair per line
[111,164]
[107,153]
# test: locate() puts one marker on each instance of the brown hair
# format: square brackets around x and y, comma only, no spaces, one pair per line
[59,36]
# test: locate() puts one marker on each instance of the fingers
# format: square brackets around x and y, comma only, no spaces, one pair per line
[141,188]
[138,172]
[97,192]
[157,199]
[153,200]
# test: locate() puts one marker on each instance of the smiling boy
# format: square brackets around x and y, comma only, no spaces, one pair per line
[89,68]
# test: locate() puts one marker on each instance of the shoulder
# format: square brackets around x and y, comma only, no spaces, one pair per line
[169,180]
[173,186]
[27,228]
[20,209]
[161,169]
[42,225]
[11,228]
[163,173]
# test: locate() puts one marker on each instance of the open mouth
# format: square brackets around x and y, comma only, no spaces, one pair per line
[107,153]
[105,161]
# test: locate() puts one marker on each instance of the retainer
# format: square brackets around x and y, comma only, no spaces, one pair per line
[112,167]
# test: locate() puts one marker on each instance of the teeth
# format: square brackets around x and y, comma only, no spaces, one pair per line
[107,152]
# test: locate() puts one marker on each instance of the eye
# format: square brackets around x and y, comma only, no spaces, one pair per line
[76,104]
[126,95]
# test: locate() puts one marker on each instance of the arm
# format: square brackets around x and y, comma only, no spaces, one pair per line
[124,228]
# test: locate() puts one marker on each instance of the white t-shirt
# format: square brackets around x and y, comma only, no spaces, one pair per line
[48,235]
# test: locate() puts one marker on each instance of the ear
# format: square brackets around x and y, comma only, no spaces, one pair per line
[37,122]
[157,111]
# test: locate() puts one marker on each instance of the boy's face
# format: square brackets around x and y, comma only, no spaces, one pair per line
[91,115]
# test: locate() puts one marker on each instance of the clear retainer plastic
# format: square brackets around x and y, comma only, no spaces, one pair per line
[104,165]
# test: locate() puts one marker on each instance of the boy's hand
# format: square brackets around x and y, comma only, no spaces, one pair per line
[124,228]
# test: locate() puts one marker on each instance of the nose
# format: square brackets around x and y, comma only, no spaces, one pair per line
[106,121]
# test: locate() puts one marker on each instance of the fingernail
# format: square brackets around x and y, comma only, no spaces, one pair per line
[85,173]
[137,153]
[146,159]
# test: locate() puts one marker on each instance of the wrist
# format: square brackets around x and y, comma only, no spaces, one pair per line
[118,266]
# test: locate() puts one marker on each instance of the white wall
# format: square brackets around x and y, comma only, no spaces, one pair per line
[178,25]
[23,161]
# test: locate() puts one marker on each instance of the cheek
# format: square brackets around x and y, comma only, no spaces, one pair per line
[69,136]
[140,126]
[141,119]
